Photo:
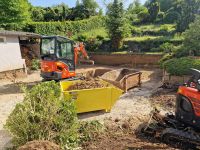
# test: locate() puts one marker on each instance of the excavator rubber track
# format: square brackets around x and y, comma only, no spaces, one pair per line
[171,131]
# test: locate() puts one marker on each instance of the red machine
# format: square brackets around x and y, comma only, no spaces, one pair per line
[184,126]
[59,57]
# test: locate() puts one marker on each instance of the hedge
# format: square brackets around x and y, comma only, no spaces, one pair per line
[154,30]
[62,28]
[58,28]
[181,66]
[146,44]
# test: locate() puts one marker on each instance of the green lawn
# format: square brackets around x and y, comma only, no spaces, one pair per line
[93,33]
[156,27]
[157,38]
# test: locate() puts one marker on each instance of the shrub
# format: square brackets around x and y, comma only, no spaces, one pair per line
[164,59]
[192,36]
[146,43]
[88,130]
[154,30]
[35,64]
[59,28]
[166,47]
[13,26]
[171,17]
[181,51]
[44,115]
[181,66]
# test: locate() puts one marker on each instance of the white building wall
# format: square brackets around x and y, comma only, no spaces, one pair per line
[10,54]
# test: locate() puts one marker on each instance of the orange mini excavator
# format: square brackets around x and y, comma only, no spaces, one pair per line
[59,56]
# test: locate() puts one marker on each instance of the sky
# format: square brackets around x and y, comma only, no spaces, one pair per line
[70,3]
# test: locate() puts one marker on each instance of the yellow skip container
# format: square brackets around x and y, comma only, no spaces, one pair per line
[88,100]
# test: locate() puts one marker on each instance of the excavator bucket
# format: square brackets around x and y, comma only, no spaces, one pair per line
[88,100]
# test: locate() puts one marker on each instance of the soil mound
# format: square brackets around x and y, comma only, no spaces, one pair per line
[40,145]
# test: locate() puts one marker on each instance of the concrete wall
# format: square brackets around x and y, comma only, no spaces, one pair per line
[120,59]
[10,54]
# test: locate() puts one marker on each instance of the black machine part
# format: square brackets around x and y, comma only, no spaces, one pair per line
[168,129]
[195,78]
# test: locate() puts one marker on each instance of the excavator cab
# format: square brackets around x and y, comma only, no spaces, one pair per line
[57,58]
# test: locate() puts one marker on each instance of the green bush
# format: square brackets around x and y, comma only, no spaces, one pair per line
[154,29]
[147,43]
[88,130]
[59,28]
[44,115]
[192,37]
[167,47]
[13,26]
[35,64]
[181,66]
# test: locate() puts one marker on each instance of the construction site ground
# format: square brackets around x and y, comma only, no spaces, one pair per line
[131,110]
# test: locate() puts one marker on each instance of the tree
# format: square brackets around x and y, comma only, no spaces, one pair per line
[91,6]
[14,11]
[192,37]
[100,13]
[165,5]
[116,24]
[83,10]
[153,9]
[187,10]
[136,12]
[37,13]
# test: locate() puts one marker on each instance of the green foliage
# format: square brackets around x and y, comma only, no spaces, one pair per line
[13,26]
[83,10]
[167,47]
[143,15]
[191,38]
[116,24]
[55,13]
[181,51]
[94,33]
[147,43]
[89,130]
[35,64]
[14,11]
[187,10]
[165,5]
[153,8]
[154,29]
[171,16]
[165,58]
[37,13]
[62,12]
[137,12]
[63,28]
[44,115]
[181,66]
[93,39]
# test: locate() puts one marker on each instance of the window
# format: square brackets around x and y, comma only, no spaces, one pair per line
[48,46]
[2,39]
[64,49]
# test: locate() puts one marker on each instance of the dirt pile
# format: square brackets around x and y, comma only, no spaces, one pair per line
[28,54]
[164,98]
[40,145]
[119,135]
[88,84]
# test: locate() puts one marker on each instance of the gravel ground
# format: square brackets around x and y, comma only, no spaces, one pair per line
[134,103]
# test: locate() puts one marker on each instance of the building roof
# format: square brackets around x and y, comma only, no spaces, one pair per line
[19,33]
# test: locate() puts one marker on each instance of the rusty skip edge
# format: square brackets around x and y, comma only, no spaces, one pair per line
[133,84]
